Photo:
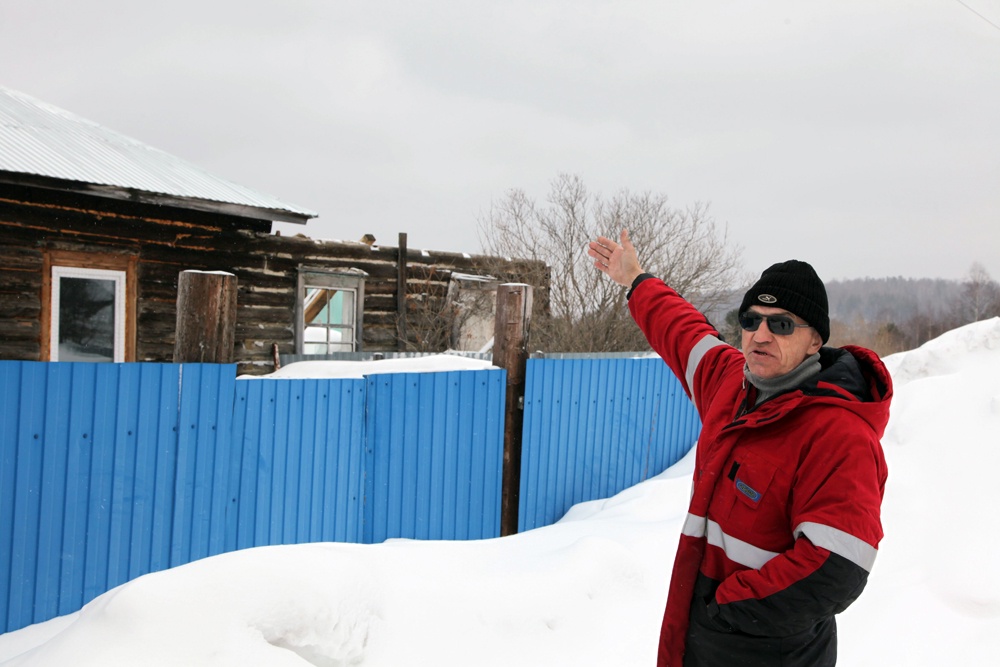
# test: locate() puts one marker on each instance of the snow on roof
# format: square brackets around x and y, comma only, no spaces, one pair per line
[434,363]
[39,139]
[472,277]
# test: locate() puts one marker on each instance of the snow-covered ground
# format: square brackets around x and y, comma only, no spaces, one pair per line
[589,590]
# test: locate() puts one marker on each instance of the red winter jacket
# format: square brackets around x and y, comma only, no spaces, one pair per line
[783,525]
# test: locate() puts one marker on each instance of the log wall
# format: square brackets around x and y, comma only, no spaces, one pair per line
[165,240]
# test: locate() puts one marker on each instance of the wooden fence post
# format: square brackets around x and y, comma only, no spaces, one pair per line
[401,278]
[510,352]
[206,317]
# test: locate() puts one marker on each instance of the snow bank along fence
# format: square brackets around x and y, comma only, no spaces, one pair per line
[112,471]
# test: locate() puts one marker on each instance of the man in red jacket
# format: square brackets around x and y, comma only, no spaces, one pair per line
[783,524]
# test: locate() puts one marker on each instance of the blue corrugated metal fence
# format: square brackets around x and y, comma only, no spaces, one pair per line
[107,472]
[298,462]
[435,442]
[110,471]
[593,427]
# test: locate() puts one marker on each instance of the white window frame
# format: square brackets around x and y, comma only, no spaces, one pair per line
[344,280]
[119,279]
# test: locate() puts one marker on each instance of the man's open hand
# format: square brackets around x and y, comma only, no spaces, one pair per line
[618,260]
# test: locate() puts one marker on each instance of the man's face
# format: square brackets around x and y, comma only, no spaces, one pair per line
[769,355]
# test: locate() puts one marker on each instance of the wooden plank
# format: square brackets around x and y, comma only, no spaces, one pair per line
[510,352]
[401,285]
[206,317]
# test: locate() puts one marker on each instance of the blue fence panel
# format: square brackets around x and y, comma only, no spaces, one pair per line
[297,474]
[435,453]
[204,437]
[21,493]
[151,431]
[593,427]
[111,471]
[339,510]
[99,484]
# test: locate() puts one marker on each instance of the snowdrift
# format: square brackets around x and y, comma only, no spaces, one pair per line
[589,590]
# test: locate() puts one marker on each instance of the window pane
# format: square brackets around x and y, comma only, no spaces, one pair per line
[329,314]
[86,319]
[316,305]
[345,308]
[329,306]
[315,335]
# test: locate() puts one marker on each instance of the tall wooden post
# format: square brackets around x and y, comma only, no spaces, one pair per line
[510,352]
[401,295]
[206,317]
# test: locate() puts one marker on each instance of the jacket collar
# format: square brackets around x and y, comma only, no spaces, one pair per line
[851,377]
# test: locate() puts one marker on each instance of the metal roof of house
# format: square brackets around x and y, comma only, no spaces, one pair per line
[42,140]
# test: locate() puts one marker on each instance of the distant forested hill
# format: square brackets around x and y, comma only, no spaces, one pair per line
[886,314]
[892,299]
[889,314]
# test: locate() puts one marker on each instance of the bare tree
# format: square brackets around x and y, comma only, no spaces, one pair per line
[584,311]
[448,310]
[731,330]
[980,296]
[430,315]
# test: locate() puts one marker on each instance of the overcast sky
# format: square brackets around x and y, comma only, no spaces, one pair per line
[860,135]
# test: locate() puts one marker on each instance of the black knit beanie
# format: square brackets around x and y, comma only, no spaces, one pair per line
[795,287]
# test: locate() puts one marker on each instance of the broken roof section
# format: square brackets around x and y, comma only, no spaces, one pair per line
[57,149]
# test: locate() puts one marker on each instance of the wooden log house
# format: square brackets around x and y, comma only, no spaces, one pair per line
[95,229]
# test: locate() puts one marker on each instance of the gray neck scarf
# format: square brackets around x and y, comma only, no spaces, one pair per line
[770,387]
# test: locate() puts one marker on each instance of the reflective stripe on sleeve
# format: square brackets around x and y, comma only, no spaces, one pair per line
[694,526]
[694,359]
[736,550]
[843,544]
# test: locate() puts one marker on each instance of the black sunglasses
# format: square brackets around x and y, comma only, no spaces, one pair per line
[779,325]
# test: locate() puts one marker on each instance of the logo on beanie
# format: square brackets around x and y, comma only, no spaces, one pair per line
[767,298]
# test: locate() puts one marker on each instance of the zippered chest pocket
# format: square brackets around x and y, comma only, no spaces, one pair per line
[758,503]
[751,502]
[751,479]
